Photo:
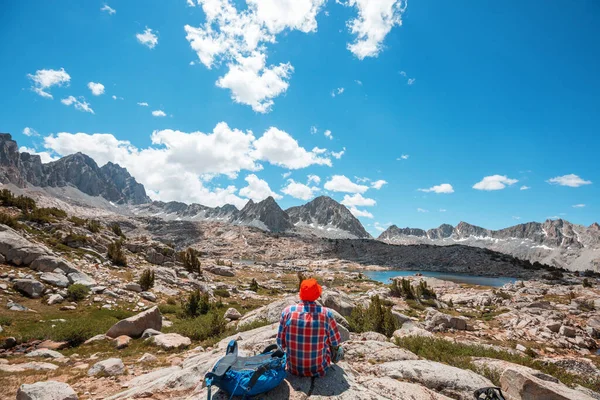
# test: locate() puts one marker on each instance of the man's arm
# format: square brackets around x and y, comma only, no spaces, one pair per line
[333,333]
[281,332]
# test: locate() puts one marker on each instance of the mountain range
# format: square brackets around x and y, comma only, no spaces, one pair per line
[554,242]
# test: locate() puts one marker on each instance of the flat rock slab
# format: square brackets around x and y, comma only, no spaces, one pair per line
[30,366]
[45,353]
[452,381]
[110,367]
[170,341]
[29,287]
[49,390]
[376,351]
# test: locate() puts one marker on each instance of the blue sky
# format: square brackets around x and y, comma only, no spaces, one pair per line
[467,90]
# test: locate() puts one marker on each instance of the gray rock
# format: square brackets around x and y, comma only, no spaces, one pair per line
[49,390]
[45,353]
[148,358]
[122,341]
[567,331]
[170,341]
[232,314]
[133,287]
[344,333]
[136,325]
[12,306]
[96,338]
[339,302]
[30,366]
[517,384]
[55,279]
[437,321]
[150,332]
[50,263]
[55,299]
[375,351]
[148,296]
[110,367]
[411,328]
[81,278]
[221,270]
[29,287]
[271,313]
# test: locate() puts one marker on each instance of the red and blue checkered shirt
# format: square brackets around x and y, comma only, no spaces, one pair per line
[307,331]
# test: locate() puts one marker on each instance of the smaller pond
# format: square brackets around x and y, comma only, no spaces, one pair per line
[385,276]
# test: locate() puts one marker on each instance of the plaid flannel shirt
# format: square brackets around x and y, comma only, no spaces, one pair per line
[307,331]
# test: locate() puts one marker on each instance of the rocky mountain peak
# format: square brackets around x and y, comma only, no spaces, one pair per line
[264,214]
[329,216]
[595,227]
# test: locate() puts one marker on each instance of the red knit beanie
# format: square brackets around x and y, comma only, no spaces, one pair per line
[310,290]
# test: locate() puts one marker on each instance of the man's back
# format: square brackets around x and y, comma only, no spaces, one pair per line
[307,332]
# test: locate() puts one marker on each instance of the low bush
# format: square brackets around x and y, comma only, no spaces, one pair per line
[197,303]
[23,203]
[221,293]
[45,215]
[147,279]
[206,327]
[8,220]
[254,285]
[77,292]
[190,260]
[78,221]
[93,226]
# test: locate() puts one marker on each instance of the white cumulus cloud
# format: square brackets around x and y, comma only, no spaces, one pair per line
[257,189]
[337,92]
[341,183]
[402,157]
[494,182]
[338,154]
[328,134]
[360,213]
[299,190]
[280,148]
[313,178]
[96,88]
[375,20]
[148,38]
[108,9]
[443,188]
[378,184]
[44,79]
[357,200]
[45,156]
[570,180]
[158,113]
[27,131]
[80,104]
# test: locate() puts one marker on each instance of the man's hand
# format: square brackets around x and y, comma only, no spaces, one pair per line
[337,353]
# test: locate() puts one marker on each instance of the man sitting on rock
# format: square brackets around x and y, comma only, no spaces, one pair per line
[308,334]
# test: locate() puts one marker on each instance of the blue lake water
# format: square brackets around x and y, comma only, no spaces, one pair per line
[385,276]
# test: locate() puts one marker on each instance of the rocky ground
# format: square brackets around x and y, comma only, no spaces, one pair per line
[536,338]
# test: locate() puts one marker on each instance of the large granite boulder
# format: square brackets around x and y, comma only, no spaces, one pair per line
[170,341]
[136,325]
[110,367]
[221,270]
[55,279]
[48,390]
[437,321]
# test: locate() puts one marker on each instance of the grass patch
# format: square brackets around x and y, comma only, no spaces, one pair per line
[459,355]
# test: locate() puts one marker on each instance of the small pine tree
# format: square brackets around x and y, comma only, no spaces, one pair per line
[424,291]
[197,304]
[147,280]
[254,285]
[395,289]
[116,228]
[93,226]
[407,290]
[190,261]
[116,255]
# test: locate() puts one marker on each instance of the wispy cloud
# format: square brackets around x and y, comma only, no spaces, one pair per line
[108,9]
[570,180]
[578,205]
[337,92]
[402,157]
[422,210]
[159,113]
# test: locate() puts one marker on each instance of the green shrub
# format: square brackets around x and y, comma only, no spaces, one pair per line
[403,289]
[376,318]
[6,219]
[197,303]
[147,279]
[116,255]
[190,260]
[221,293]
[93,226]
[74,240]
[169,308]
[77,292]
[586,283]
[116,228]
[425,292]
[254,285]
[45,215]
[5,321]
[207,327]
[77,221]
[23,203]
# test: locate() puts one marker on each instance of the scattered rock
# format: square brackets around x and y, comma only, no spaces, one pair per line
[411,328]
[437,321]
[45,353]
[567,331]
[148,358]
[52,345]
[148,296]
[122,341]
[9,343]
[136,325]
[30,366]
[29,287]
[517,384]
[55,279]
[221,270]
[55,299]
[96,338]
[133,287]
[170,341]
[150,332]
[81,278]
[232,314]
[49,390]
[12,306]
[110,367]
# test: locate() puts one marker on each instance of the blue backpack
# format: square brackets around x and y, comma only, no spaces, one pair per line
[247,376]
